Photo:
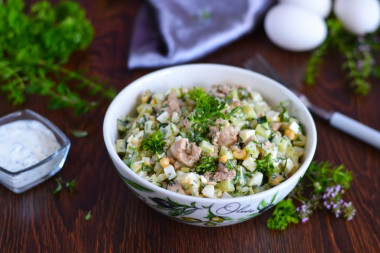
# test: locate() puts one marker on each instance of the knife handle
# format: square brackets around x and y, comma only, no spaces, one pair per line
[356,129]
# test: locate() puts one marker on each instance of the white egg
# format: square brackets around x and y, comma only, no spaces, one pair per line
[358,16]
[294,28]
[321,7]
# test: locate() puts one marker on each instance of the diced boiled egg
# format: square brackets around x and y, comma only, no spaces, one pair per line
[256,179]
[170,172]
[208,191]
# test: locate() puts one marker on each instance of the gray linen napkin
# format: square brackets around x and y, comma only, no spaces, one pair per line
[169,32]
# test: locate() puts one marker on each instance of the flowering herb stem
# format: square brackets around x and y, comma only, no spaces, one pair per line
[358,53]
[325,192]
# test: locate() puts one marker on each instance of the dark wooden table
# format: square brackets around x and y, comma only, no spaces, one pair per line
[39,221]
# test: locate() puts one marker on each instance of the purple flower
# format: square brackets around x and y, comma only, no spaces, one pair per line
[349,211]
[304,211]
[332,200]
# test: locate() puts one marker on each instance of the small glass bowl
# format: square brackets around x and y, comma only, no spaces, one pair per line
[26,178]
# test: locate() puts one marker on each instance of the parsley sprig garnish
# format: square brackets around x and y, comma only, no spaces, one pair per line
[154,143]
[322,187]
[284,214]
[35,45]
[207,110]
[265,165]
[206,164]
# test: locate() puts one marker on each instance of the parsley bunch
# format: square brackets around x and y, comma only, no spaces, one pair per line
[322,187]
[34,47]
[357,51]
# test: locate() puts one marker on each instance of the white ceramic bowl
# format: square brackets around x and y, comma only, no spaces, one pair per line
[195,210]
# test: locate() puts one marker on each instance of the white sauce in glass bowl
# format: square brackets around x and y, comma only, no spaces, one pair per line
[24,143]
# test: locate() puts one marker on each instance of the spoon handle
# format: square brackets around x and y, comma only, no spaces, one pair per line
[356,129]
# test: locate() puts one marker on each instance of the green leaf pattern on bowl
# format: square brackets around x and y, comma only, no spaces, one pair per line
[135,185]
[180,212]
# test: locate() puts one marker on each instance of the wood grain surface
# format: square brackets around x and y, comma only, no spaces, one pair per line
[39,221]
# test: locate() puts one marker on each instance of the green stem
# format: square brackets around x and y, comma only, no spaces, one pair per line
[94,86]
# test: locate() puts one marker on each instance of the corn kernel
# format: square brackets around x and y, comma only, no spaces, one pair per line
[164,162]
[153,101]
[290,134]
[223,159]
[240,154]
[145,98]
[277,180]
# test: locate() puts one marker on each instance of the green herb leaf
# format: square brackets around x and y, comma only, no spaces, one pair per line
[284,115]
[154,143]
[230,165]
[88,215]
[71,185]
[79,133]
[146,167]
[262,120]
[265,165]
[34,46]
[206,164]
[321,188]
[359,53]
[59,186]
[208,109]
[284,214]
[235,110]
[194,135]
[323,176]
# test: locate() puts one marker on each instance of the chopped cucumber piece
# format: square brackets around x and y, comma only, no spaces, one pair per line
[207,147]
[249,112]
[264,132]
[227,152]
[121,146]
[227,186]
